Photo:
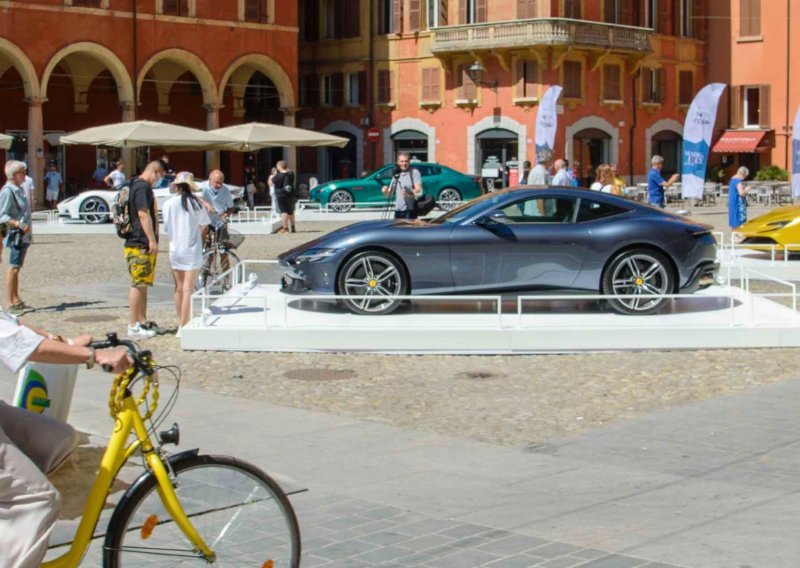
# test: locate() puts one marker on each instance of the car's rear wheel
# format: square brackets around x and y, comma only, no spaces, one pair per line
[640,274]
[340,201]
[449,198]
[372,280]
[95,210]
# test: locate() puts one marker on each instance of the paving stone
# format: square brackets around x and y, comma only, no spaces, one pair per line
[346,549]
[385,538]
[382,513]
[463,558]
[519,561]
[425,526]
[428,541]
[588,553]
[513,544]
[554,549]
[375,526]
[562,562]
[461,531]
[383,554]
[614,561]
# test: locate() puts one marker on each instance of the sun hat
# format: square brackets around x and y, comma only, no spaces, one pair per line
[184,178]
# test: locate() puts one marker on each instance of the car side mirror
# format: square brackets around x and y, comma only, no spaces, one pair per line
[495,217]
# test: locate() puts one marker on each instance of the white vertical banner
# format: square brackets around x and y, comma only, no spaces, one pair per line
[697,139]
[796,155]
[547,120]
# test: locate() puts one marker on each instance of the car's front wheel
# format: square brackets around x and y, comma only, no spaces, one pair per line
[371,282]
[95,210]
[449,198]
[340,201]
[640,276]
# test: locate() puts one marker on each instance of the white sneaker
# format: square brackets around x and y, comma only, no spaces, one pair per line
[178,333]
[138,331]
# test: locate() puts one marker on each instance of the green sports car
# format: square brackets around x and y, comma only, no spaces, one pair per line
[447,186]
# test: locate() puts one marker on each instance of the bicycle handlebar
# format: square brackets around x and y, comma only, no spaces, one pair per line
[140,357]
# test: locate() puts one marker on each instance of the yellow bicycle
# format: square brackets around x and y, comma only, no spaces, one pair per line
[186,509]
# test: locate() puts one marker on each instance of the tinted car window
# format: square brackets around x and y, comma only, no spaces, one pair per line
[592,210]
[424,171]
[541,210]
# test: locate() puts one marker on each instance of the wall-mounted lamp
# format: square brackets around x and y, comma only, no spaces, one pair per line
[476,71]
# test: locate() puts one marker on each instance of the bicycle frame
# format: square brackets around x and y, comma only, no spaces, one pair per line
[128,421]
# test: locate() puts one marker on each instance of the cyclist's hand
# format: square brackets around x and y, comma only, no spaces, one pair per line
[117,361]
[82,340]
[152,247]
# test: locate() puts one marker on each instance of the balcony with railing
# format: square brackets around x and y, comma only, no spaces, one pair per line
[540,31]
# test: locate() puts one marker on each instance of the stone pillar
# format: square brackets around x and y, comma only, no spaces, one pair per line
[128,158]
[36,145]
[212,123]
[290,153]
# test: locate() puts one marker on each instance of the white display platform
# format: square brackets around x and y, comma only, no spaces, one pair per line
[261,318]
[774,263]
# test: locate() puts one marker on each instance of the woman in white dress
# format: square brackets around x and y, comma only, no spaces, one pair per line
[185,221]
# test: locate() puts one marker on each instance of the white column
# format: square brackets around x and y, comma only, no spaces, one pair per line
[36,145]
[212,123]
[128,115]
[290,154]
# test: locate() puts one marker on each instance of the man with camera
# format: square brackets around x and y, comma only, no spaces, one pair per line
[15,217]
[406,185]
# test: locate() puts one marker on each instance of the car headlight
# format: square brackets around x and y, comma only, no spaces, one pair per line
[314,255]
[737,238]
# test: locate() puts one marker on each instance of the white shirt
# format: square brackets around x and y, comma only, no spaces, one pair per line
[185,237]
[17,343]
[538,176]
[562,178]
[117,178]
[27,187]
[597,186]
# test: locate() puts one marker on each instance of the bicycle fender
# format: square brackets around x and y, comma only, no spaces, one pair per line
[173,459]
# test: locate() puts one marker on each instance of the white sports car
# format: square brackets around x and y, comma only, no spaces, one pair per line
[95,205]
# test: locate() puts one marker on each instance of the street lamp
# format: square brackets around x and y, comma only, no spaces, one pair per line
[476,71]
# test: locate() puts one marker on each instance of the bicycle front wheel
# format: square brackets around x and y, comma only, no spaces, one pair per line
[240,512]
[213,267]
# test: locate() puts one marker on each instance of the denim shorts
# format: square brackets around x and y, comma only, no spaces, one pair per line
[16,255]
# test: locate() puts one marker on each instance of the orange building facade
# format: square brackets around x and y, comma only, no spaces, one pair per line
[71,64]
[629,69]
[756,51]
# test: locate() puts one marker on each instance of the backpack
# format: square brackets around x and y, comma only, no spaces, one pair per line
[423,205]
[122,212]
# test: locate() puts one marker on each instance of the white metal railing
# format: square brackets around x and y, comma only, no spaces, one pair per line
[728,252]
[50,216]
[521,320]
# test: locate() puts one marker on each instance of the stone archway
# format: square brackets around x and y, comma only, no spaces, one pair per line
[597,123]
[408,124]
[88,60]
[490,123]
[667,124]
[168,65]
[358,137]
[18,60]
[240,71]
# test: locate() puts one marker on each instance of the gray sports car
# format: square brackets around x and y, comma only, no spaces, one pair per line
[511,241]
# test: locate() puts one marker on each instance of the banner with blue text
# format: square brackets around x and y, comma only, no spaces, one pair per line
[697,139]
[547,120]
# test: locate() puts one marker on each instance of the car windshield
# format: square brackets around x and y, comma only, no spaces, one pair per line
[467,209]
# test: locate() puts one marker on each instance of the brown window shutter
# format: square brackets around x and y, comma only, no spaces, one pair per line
[531,78]
[87,3]
[436,90]
[661,76]
[736,118]
[310,20]
[337,83]
[362,88]
[463,16]
[572,9]
[426,88]
[481,11]
[699,19]
[384,86]
[763,106]
[647,85]
[572,79]
[626,13]
[663,17]
[611,83]
[414,15]
[750,18]
[686,86]
[430,84]
[467,90]
[609,12]
[521,82]
[170,7]
[676,17]
[397,17]
[442,12]
[312,87]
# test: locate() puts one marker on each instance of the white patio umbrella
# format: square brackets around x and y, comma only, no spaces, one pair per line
[5,141]
[142,133]
[256,135]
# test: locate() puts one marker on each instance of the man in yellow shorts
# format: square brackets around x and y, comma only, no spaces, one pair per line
[141,248]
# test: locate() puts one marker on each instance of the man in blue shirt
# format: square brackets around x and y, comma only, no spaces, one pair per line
[219,203]
[656,183]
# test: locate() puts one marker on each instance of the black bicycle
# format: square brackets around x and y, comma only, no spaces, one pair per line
[219,258]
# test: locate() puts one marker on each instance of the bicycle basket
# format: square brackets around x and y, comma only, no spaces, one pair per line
[234,240]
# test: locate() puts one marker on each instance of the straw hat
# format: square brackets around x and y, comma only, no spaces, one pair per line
[184,178]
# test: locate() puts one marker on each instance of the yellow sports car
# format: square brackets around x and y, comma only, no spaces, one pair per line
[778,228]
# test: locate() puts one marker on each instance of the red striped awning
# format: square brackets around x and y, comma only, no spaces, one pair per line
[740,141]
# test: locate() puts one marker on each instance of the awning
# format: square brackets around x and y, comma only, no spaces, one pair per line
[740,141]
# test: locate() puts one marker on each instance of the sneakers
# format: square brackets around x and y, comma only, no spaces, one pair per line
[152,326]
[139,331]
[293,229]
[18,309]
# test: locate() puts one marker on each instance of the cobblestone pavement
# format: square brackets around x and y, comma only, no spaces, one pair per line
[79,284]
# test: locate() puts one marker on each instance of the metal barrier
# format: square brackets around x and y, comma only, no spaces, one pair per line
[238,276]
